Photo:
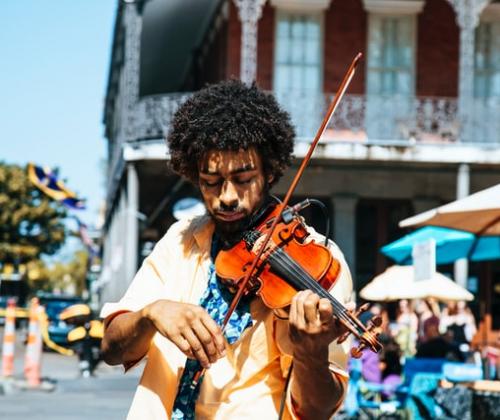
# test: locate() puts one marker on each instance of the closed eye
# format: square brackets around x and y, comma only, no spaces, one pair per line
[208,183]
[244,181]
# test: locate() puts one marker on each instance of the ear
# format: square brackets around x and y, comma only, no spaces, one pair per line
[270,179]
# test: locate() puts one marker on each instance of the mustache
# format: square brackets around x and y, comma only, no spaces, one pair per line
[229,209]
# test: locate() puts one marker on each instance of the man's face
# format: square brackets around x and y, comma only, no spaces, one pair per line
[233,187]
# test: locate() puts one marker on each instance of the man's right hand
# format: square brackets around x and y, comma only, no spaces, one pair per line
[189,327]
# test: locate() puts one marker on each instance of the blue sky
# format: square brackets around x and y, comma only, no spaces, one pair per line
[54,60]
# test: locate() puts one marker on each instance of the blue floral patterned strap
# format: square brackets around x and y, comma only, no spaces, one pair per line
[216,300]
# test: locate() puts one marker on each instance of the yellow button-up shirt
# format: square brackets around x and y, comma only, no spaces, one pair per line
[249,381]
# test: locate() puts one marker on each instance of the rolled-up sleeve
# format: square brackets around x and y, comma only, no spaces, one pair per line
[146,287]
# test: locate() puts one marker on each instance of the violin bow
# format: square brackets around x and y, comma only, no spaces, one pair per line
[331,109]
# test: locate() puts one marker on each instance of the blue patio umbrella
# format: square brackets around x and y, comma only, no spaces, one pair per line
[451,245]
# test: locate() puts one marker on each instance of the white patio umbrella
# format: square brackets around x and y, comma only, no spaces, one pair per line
[394,283]
[398,282]
[442,288]
[478,213]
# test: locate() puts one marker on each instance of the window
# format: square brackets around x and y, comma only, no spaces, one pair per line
[391,59]
[390,77]
[298,69]
[298,53]
[487,60]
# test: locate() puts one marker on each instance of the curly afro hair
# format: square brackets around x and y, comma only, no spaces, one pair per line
[230,116]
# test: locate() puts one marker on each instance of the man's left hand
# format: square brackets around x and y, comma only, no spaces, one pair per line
[312,325]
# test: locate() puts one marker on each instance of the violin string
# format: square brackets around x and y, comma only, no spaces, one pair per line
[340,309]
[281,258]
[309,282]
[286,263]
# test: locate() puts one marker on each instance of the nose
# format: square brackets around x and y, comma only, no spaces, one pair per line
[228,196]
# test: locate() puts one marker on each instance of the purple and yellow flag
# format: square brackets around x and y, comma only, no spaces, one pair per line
[46,181]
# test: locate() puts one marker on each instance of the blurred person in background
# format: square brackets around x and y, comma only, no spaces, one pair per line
[390,364]
[437,346]
[405,329]
[458,321]
[428,312]
[380,368]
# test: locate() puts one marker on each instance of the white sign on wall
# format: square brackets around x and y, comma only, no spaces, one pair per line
[424,259]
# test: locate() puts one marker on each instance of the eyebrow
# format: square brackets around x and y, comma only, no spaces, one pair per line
[245,168]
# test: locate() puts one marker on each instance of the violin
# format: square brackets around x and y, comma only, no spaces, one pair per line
[290,263]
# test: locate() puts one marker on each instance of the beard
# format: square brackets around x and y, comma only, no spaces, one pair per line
[232,231]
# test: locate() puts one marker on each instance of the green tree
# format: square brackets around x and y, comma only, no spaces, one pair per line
[31,223]
[69,276]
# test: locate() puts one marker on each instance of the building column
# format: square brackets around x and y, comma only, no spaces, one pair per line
[131,224]
[129,91]
[131,68]
[249,12]
[461,269]
[468,12]
[344,228]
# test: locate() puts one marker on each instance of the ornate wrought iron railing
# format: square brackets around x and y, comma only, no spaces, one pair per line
[377,118]
[359,118]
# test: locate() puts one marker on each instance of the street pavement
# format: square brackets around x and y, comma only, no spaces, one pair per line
[106,396]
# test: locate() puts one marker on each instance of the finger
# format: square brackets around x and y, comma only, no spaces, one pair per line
[298,302]
[196,347]
[183,345]
[311,308]
[206,339]
[325,310]
[282,313]
[215,331]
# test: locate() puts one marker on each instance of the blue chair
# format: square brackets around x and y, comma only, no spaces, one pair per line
[420,402]
[462,372]
[410,394]
[416,365]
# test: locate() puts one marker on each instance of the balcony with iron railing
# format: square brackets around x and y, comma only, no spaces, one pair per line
[362,119]
[395,119]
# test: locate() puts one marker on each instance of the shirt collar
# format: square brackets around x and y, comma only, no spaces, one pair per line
[203,229]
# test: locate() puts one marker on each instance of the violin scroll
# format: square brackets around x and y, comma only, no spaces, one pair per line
[369,338]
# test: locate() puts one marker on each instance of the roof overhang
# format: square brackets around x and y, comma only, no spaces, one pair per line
[171,33]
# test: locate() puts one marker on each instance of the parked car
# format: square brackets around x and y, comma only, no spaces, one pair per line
[54,305]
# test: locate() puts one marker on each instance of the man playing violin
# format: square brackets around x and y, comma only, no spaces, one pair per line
[234,142]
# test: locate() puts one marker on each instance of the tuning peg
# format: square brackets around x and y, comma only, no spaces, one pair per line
[361,309]
[375,322]
[357,352]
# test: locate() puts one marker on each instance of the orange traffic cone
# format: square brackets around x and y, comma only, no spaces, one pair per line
[9,338]
[33,355]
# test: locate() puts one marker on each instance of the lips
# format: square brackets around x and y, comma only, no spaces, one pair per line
[230,216]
